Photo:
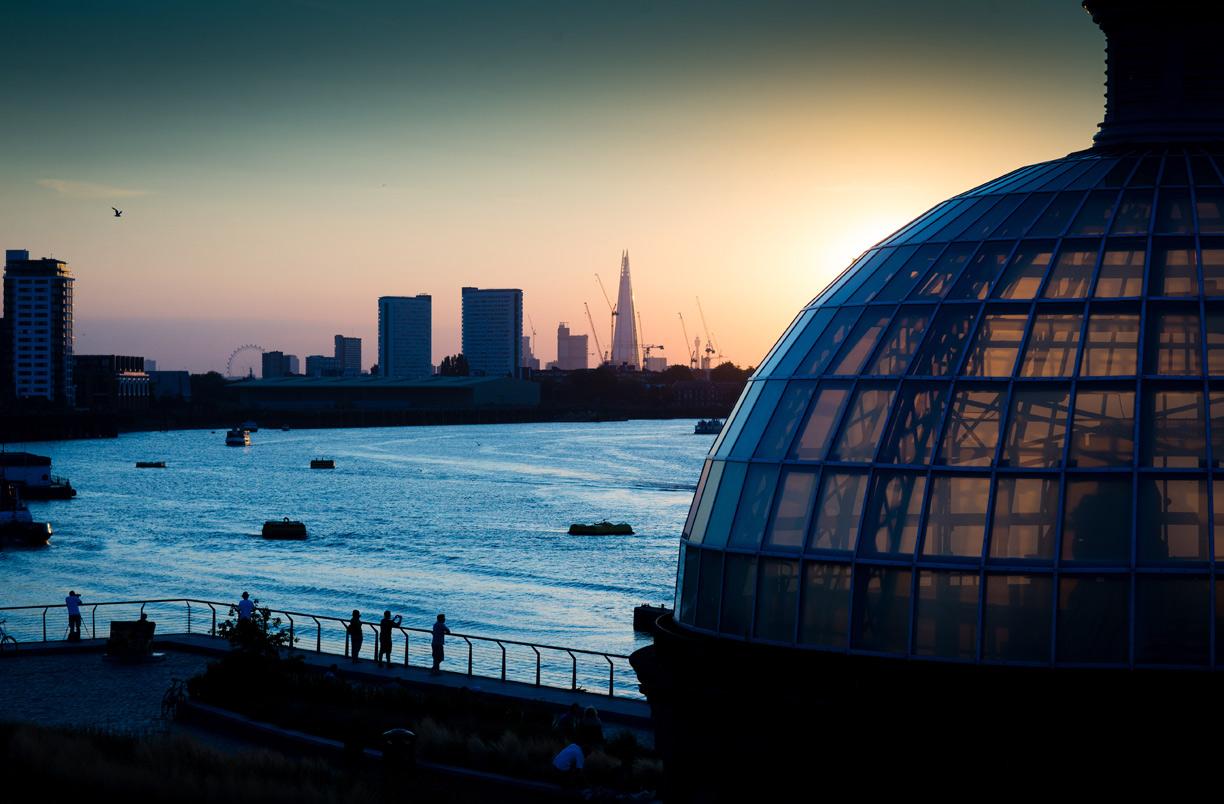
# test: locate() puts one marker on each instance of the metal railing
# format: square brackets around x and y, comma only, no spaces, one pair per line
[487,657]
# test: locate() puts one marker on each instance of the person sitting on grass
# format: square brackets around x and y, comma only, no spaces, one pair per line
[569,763]
[590,729]
[567,722]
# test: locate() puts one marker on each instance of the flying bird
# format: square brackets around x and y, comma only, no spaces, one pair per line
[118,212]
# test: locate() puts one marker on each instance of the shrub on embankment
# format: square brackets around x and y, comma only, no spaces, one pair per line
[44,764]
[453,726]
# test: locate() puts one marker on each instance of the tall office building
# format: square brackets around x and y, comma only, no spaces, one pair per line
[529,360]
[38,327]
[493,331]
[571,349]
[405,343]
[279,364]
[625,337]
[348,356]
[322,366]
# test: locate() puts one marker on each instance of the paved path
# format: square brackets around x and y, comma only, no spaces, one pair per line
[84,689]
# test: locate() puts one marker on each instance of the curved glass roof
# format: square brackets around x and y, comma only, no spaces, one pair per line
[997,437]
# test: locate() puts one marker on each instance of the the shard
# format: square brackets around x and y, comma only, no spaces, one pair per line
[625,351]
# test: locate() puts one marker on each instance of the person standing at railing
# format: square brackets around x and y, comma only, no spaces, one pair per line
[246,607]
[385,626]
[355,635]
[74,602]
[439,643]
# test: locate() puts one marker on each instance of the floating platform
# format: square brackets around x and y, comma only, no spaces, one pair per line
[284,529]
[604,528]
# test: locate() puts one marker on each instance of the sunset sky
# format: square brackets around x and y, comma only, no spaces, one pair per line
[283,164]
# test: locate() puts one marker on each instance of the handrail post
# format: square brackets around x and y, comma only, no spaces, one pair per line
[93,622]
[503,650]
[45,623]
[469,644]
[214,620]
[537,653]
[292,639]
[573,670]
[188,602]
[318,634]
[611,676]
[405,633]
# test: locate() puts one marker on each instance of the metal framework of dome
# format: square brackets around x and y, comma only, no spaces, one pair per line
[998,436]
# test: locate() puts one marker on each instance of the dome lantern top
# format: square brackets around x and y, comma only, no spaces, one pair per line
[1164,71]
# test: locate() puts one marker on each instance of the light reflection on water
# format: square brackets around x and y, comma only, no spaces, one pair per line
[467,520]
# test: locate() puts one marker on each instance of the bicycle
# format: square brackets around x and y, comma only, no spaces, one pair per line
[7,643]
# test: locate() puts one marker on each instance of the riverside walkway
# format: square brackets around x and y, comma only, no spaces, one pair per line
[549,674]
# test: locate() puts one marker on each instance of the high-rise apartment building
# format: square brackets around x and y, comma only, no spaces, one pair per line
[348,356]
[571,349]
[405,343]
[38,327]
[493,331]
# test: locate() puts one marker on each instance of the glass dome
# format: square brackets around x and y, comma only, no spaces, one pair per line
[997,437]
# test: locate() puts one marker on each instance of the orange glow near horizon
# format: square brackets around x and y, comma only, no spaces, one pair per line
[750,190]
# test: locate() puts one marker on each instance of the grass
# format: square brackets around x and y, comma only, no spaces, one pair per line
[66,765]
[453,726]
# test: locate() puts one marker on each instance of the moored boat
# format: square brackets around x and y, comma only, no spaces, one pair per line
[238,437]
[708,427]
[33,474]
[604,528]
[284,529]
[322,463]
[17,527]
[150,464]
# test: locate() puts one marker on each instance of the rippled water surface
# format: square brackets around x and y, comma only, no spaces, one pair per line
[467,520]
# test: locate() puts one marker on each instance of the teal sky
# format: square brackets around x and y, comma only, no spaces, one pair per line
[282,164]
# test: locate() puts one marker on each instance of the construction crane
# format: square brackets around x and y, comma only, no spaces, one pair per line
[533,334]
[612,311]
[693,353]
[646,347]
[711,351]
[598,348]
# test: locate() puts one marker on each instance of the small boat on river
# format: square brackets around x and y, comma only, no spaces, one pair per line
[604,528]
[17,527]
[150,464]
[322,463]
[708,427]
[238,437]
[284,529]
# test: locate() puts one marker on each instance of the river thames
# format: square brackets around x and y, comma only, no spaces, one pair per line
[469,520]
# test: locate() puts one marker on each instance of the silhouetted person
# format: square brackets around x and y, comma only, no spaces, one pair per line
[439,643]
[73,601]
[385,626]
[245,607]
[355,635]
[567,722]
[590,729]
[246,614]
